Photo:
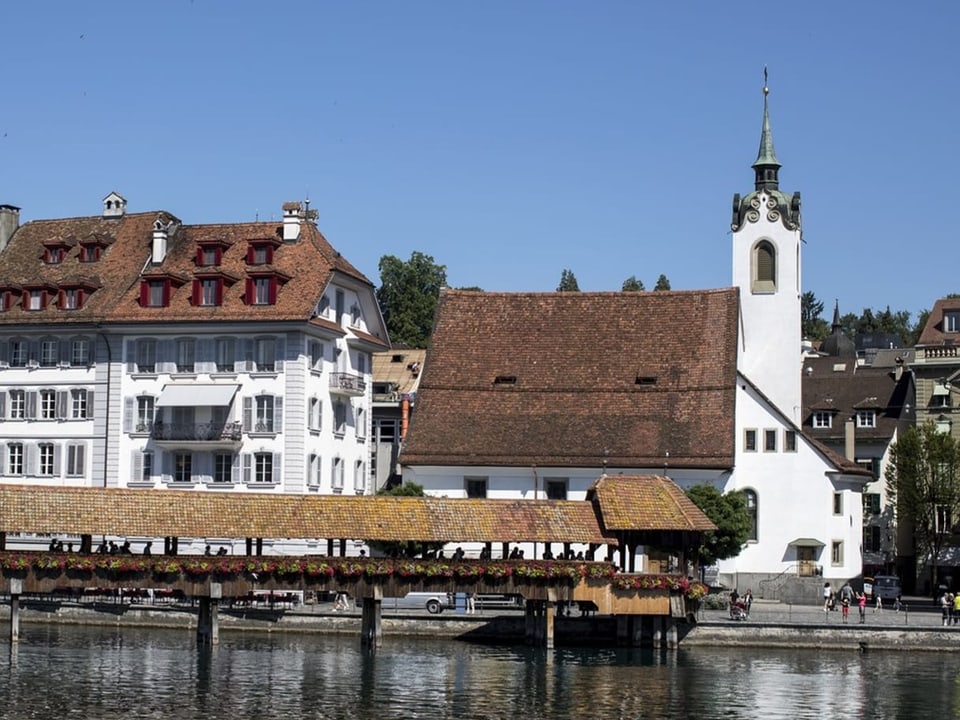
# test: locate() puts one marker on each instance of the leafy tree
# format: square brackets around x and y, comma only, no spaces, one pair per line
[729,513]
[914,337]
[631,284]
[662,283]
[568,282]
[409,548]
[472,288]
[408,295]
[923,480]
[812,323]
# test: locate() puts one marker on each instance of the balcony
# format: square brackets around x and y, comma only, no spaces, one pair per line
[347,384]
[198,436]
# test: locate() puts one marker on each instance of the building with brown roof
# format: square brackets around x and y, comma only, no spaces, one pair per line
[533,395]
[138,351]
[936,363]
[396,378]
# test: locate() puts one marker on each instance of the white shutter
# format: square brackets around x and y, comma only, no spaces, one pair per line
[281,353]
[247,468]
[90,400]
[247,414]
[57,458]
[63,405]
[80,466]
[235,469]
[128,414]
[136,466]
[31,398]
[277,457]
[205,360]
[31,451]
[3,458]
[278,413]
[247,363]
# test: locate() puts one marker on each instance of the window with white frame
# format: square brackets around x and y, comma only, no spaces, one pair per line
[226,354]
[46,459]
[361,423]
[146,471]
[210,291]
[359,477]
[314,420]
[222,468]
[48,404]
[316,355]
[79,352]
[19,352]
[336,478]
[823,419]
[146,355]
[951,321]
[35,300]
[78,404]
[146,411]
[314,470]
[186,354]
[18,405]
[750,440]
[750,497]
[354,315]
[266,354]
[76,460]
[866,418]
[836,552]
[789,440]
[263,467]
[49,352]
[362,363]
[769,440]
[838,503]
[15,458]
[71,298]
[339,418]
[263,421]
[183,467]
[261,290]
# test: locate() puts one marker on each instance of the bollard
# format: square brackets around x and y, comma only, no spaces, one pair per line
[906,613]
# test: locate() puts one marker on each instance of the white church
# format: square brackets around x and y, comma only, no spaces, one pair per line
[537,395]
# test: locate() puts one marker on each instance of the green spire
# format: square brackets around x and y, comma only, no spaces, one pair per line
[766,165]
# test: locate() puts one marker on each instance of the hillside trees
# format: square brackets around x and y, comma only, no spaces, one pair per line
[568,282]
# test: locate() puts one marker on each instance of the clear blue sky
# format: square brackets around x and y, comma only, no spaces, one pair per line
[507,139]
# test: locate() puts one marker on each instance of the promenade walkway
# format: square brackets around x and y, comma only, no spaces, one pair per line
[918,612]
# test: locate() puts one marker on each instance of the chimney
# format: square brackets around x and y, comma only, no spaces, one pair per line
[898,373]
[849,440]
[292,216]
[114,205]
[9,222]
[160,237]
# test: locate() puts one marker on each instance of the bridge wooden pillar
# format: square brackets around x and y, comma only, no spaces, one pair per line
[670,632]
[208,622]
[16,588]
[371,628]
[539,621]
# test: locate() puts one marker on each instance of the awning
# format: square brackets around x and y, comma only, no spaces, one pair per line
[190,395]
[806,542]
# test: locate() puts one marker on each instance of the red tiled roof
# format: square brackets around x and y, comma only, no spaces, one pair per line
[933,333]
[621,378]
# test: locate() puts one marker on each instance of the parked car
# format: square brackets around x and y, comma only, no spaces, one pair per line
[432,602]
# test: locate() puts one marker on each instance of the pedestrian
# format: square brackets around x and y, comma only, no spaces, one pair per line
[862,605]
[956,608]
[827,594]
[945,605]
[747,600]
[844,607]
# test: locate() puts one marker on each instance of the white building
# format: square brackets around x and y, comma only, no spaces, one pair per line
[528,395]
[136,351]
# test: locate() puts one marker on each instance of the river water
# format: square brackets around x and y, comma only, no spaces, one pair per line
[59,673]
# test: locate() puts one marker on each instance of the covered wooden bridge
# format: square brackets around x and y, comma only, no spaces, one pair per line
[620,514]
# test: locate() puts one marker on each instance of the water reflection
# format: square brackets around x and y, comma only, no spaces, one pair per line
[94,672]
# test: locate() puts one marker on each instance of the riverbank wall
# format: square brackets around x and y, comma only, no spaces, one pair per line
[502,628]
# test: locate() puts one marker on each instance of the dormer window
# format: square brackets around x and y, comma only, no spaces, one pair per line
[951,321]
[208,291]
[34,299]
[262,287]
[90,252]
[823,420]
[866,418]
[260,253]
[54,254]
[155,292]
[6,300]
[70,299]
[209,255]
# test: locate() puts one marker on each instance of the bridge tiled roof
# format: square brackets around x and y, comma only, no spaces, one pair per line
[646,502]
[182,513]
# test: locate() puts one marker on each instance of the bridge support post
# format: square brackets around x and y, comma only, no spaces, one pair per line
[208,621]
[658,634]
[371,629]
[16,588]
[671,633]
[530,622]
[539,623]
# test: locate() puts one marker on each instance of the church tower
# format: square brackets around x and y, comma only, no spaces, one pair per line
[766,269]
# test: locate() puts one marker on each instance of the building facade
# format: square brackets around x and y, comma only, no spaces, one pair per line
[137,351]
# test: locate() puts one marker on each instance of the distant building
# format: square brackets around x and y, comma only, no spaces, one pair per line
[396,377]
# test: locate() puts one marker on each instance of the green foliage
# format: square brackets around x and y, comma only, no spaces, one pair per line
[631,284]
[879,321]
[411,548]
[408,295]
[662,283]
[729,513]
[568,282]
[472,288]
[813,326]
[923,481]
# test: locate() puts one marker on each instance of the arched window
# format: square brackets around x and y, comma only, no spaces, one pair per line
[751,498]
[764,267]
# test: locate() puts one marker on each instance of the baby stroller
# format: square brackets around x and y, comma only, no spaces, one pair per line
[738,610]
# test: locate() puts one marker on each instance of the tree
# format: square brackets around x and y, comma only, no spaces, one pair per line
[408,296]
[729,513]
[662,283]
[813,326]
[568,282]
[923,480]
[409,548]
[631,284]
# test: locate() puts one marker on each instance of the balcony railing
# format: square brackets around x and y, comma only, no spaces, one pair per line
[203,432]
[347,384]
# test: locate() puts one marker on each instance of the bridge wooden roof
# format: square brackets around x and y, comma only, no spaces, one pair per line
[646,502]
[183,513]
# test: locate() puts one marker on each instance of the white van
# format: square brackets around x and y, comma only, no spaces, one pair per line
[432,602]
[886,587]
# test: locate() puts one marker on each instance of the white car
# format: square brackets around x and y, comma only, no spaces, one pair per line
[432,602]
